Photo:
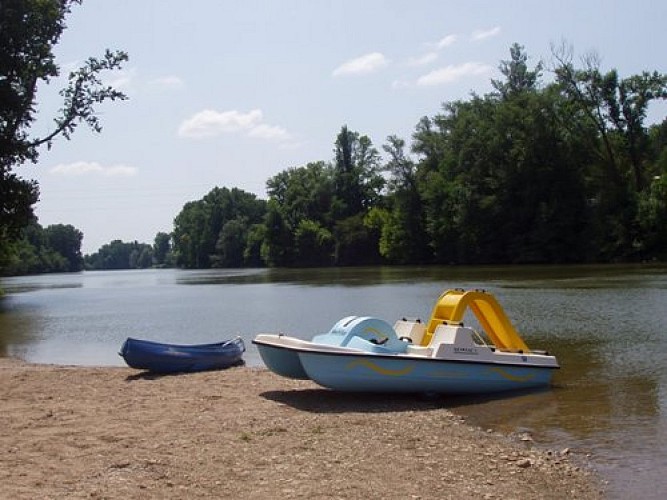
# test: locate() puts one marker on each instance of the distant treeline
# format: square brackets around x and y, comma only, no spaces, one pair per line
[134,255]
[57,249]
[562,172]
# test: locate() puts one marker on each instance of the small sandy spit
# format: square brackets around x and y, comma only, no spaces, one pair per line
[78,432]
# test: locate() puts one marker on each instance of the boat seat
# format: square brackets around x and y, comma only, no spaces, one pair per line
[411,331]
[453,334]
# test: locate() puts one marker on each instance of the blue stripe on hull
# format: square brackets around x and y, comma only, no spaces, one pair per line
[380,374]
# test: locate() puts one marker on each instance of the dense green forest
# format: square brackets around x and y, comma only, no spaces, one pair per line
[562,172]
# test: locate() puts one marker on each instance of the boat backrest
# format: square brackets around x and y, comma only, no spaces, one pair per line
[341,325]
[452,334]
[413,330]
[373,330]
[338,335]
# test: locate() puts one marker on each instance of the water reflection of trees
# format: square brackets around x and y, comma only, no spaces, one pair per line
[591,397]
[17,327]
[557,278]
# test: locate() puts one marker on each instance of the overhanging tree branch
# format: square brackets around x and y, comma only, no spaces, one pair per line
[84,90]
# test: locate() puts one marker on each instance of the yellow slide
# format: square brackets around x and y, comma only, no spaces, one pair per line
[451,306]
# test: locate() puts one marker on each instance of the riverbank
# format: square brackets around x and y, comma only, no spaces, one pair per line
[75,432]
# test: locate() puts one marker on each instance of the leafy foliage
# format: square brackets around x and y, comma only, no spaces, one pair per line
[29,30]
[357,183]
[529,173]
[621,170]
[162,253]
[316,212]
[214,231]
[54,249]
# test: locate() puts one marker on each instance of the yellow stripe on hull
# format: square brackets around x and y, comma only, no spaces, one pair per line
[448,374]
[511,377]
[378,369]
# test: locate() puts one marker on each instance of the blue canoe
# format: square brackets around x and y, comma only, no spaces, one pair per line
[173,358]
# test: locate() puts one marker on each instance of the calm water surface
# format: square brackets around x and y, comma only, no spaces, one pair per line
[606,324]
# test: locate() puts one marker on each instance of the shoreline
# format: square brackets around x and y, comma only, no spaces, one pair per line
[244,432]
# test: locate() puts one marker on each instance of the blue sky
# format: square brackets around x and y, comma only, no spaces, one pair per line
[229,93]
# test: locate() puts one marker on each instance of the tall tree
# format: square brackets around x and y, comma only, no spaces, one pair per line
[304,193]
[616,108]
[403,237]
[502,178]
[29,31]
[231,243]
[357,182]
[518,77]
[357,189]
[300,216]
[66,240]
[201,237]
[162,249]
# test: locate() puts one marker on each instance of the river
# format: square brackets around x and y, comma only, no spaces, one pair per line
[606,324]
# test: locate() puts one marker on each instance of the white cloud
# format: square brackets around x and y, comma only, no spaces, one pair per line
[484,34]
[270,132]
[446,41]
[365,64]
[452,73]
[168,82]
[443,43]
[211,123]
[423,60]
[93,168]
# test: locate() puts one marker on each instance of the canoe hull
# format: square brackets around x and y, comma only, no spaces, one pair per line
[158,357]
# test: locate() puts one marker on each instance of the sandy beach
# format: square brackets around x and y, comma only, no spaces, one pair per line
[78,432]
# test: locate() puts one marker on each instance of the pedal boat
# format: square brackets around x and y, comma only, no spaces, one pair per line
[365,354]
